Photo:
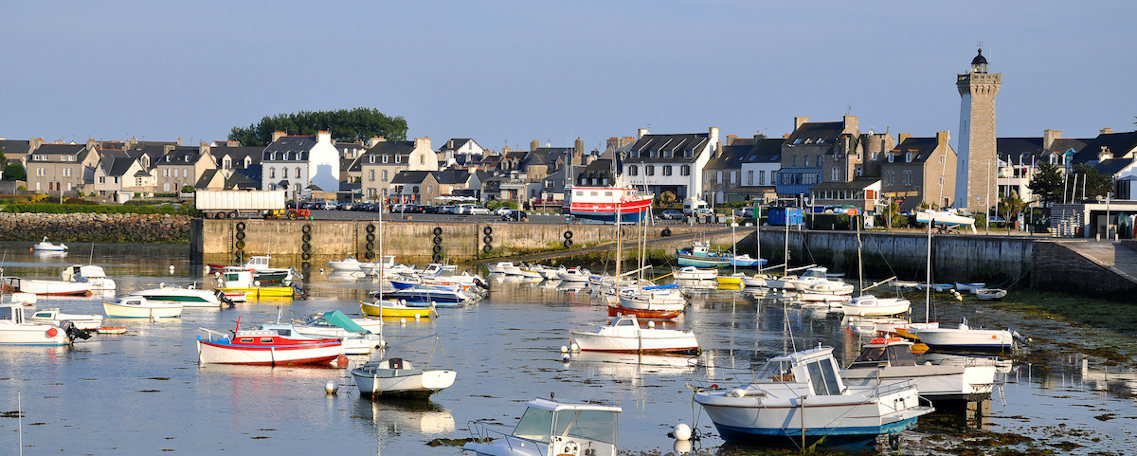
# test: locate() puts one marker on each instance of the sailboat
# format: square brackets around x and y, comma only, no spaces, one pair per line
[394,308]
[870,305]
[646,302]
[907,329]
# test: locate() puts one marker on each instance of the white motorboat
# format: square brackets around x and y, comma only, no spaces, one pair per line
[624,334]
[654,302]
[93,275]
[989,294]
[755,281]
[15,330]
[552,273]
[355,344]
[964,337]
[694,273]
[948,218]
[56,317]
[905,285]
[889,359]
[551,428]
[531,272]
[869,305]
[44,287]
[575,275]
[396,377]
[802,396]
[499,267]
[349,264]
[140,307]
[44,246]
[187,297]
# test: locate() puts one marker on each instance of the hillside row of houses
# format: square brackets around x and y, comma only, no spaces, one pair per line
[832,162]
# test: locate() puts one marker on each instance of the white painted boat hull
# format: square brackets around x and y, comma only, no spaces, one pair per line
[933,382]
[151,310]
[31,334]
[867,306]
[966,339]
[81,321]
[210,354]
[403,382]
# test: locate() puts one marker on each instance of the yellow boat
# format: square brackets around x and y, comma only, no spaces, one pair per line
[395,309]
[261,292]
[732,280]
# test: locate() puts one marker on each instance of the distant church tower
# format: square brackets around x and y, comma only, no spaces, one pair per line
[976,168]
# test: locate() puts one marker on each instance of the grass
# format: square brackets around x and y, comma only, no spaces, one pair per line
[1112,315]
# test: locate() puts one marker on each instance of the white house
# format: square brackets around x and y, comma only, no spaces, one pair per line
[670,163]
[295,163]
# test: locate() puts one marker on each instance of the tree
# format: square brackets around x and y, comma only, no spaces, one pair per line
[344,125]
[1096,184]
[1047,183]
[1012,206]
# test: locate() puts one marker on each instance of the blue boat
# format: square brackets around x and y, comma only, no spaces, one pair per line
[425,295]
[700,255]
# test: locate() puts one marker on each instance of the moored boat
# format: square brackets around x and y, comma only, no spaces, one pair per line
[989,294]
[624,334]
[602,203]
[964,337]
[57,317]
[45,287]
[265,348]
[140,307]
[551,428]
[800,399]
[397,377]
[188,297]
[869,305]
[15,330]
[232,281]
[47,247]
[887,359]
[393,308]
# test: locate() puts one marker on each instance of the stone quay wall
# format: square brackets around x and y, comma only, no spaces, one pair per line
[1058,268]
[92,227]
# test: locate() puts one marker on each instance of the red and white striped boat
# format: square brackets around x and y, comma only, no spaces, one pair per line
[264,348]
[600,203]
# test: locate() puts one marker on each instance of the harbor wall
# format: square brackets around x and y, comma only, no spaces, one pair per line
[1060,268]
[94,227]
[409,241]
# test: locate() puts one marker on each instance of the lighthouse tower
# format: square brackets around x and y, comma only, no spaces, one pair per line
[977,168]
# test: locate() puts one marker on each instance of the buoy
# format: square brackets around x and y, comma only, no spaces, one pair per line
[403,321]
[331,387]
[564,349]
[682,432]
[574,347]
[565,357]
[52,332]
[651,325]
[155,318]
[31,249]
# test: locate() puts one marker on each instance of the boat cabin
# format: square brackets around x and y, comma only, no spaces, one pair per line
[236,278]
[560,425]
[882,352]
[815,367]
[135,301]
[12,312]
[82,273]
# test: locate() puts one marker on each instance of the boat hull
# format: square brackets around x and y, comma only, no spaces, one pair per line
[220,351]
[935,383]
[31,334]
[408,383]
[396,311]
[150,311]
[967,340]
[46,287]
[645,341]
[260,292]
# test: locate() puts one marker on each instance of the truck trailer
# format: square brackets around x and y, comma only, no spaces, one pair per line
[229,204]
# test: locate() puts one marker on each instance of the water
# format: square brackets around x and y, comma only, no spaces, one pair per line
[144,393]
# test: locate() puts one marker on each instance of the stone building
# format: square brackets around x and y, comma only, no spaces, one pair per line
[977,145]
[920,170]
[819,152]
[670,162]
[62,168]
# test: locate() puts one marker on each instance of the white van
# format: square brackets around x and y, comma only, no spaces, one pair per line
[690,205]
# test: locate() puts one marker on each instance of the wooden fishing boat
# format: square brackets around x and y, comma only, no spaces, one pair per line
[264,348]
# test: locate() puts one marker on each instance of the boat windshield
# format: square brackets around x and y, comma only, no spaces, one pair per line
[870,357]
[901,355]
[535,425]
[822,377]
[595,425]
[814,272]
[7,313]
[776,371]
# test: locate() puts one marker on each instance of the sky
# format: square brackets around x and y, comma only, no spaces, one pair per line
[508,72]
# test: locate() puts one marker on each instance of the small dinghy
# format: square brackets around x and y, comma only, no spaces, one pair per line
[989,294]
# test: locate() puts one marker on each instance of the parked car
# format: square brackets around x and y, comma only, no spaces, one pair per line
[347,206]
[479,210]
[671,214]
[502,210]
[515,214]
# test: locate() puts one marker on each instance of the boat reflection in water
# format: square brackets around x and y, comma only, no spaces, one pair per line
[395,417]
[632,366]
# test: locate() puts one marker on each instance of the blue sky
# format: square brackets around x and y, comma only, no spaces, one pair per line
[507,72]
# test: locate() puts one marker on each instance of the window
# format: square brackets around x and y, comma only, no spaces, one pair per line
[272,173]
[836,175]
[732,177]
[227,163]
[371,159]
[750,178]
[40,172]
[666,170]
[298,175]
[185,172]
[371,176]
[284,173]
[685,170]
[633,170]
[67,172]
[667,153]
[384,175]
[650,170]
[398,158]
[891,157]
[718,178]
[165,172]
[102,180]
[908,157]
[907,177]
[762,177]
[387,157]
[795,161]
[807,161]
[422,159]
[414,189]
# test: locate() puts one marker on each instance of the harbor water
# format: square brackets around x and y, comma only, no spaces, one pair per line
[144,392]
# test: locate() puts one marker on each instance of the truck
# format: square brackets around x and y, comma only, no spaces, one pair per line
[229,204]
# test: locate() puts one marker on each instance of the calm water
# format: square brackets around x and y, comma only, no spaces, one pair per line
[143,392]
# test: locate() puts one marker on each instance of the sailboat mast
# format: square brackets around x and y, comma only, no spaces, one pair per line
[381,259]
[619,244]
[757,235]
[786,265]
[928,287]
[860,263]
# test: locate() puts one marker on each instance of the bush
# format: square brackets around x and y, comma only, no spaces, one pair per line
[495,204]
[51,208]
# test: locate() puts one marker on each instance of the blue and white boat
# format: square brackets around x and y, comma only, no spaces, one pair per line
[47,247]
[426,295]
[801,396]
[746,261]
[700,255]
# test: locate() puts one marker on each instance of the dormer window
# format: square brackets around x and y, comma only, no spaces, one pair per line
[386,158]
[891,157]
[371,159]
[908,157]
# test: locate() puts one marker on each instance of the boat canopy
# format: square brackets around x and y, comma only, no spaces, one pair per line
[340,319]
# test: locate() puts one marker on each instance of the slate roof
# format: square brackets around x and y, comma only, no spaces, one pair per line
[390,149]
[599,169]
[453,144]
[921,148]
[452,176]
[184,155]
[816,133]
[1113,166]
[409,177]
[1016,150]
[245,178]
[237,154]
[116,165]
[1118,144]
[655,148]
[546,156]
[206,177]
[15,147]
[153,151]
[289,148]
[77,150]
[731,157]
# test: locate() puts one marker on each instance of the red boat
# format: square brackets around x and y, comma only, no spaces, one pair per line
[615,310]
[265,348]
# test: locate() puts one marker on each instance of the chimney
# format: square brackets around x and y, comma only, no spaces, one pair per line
[34,143]
[902,137]
[714,136]
[275,135]
[851,127]
[322,136]
[942,138]
[798,121]
[641,133]
[1048,137]
[1106,131]
[577,151]
[1104,154]
[730,139]
[533,145]
[422,142]
[179,141]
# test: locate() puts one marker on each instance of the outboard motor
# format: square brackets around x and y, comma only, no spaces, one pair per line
[73,332]
[481,283]
[225,299]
